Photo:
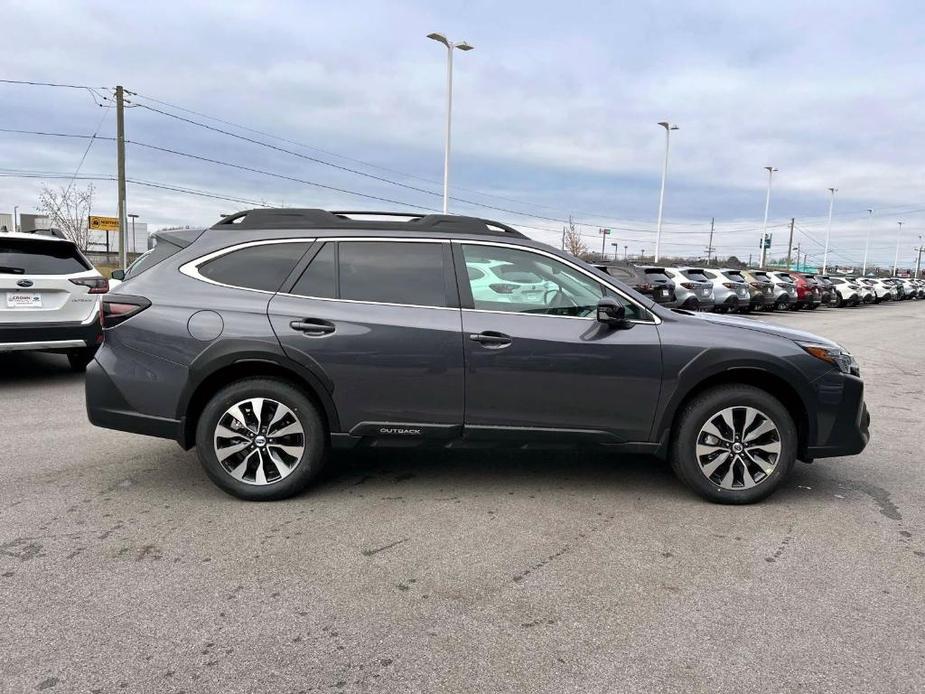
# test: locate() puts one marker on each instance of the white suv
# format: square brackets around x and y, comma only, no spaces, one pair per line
[49,297]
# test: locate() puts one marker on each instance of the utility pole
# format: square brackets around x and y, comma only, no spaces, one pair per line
[790,243]
[710,248]
[604,234]
[120,149]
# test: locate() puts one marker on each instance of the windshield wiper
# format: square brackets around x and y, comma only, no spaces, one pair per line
[12,270]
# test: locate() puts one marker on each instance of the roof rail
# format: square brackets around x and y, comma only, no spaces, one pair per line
[291,218]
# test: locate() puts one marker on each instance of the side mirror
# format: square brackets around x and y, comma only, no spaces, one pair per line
[611,312]
[117,275]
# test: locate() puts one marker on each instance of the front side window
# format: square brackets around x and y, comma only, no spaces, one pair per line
[393,272]
[519,281]
[262,267]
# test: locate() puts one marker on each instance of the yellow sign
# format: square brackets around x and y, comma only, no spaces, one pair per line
[104,223]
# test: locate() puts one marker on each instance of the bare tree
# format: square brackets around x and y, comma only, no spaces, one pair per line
[69,210]
[572,241]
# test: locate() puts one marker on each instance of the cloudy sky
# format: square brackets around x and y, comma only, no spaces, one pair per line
[555,113]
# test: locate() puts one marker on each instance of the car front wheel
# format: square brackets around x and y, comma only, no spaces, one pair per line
[734,444]
[261,439]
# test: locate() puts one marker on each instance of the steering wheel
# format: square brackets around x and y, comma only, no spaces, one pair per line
[559,299]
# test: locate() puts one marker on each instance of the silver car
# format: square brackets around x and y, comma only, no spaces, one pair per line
[730,291]
[785,289]
[692,288]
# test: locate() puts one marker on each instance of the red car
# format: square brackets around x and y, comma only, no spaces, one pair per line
[809,291]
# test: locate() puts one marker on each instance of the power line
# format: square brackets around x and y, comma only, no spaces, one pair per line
[49,84]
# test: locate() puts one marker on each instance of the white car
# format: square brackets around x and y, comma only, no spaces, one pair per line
[883,290]
[49,297]
[507,283]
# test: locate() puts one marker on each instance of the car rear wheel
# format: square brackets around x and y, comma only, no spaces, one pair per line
[261,439]
[80,358]
[734,444]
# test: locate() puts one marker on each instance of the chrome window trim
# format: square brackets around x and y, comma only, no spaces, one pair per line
[655,319]
[191,267]
[368,303]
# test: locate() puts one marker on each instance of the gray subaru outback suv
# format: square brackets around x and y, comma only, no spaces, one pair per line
[278,334]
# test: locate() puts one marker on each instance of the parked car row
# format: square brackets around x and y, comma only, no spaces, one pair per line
[725,290]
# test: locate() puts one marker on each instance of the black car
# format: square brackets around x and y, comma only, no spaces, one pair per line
[648,280]
[278,334]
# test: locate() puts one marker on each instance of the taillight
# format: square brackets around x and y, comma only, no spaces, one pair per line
[644,287]
[119,309]
[503,288]
[729,285]
[688,285]
[98,285]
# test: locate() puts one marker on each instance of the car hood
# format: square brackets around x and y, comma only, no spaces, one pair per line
[761,327]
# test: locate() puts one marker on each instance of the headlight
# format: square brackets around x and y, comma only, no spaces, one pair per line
[835,356]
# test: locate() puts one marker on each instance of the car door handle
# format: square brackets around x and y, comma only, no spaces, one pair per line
[312,326]
[491,339]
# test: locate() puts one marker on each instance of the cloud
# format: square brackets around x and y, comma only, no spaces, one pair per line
[554,111]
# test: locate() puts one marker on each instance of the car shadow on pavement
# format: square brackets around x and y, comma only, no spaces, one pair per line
[35,368]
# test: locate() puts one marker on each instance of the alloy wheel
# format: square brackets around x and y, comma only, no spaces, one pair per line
[259,441]
[738,448]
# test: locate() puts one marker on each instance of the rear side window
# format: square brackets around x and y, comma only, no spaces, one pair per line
[319,278]
[148,259]
[262,267]
[32,257]
[392,272]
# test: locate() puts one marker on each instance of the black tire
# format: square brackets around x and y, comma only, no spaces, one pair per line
[304,470]
[813,307]
[80,358]
[698,411]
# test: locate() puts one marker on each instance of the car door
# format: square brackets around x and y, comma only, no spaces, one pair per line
[379,321]
[550,368]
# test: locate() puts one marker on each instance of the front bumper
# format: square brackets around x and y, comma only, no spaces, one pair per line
[50,336]
[842,418]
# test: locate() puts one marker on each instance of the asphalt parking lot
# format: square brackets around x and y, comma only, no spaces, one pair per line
[123,568]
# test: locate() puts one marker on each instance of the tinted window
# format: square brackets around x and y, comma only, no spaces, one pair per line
[28,257]
[735,276]
[261,267]
[622,273]
[657,274]
[147,260]
[392,272]
[558,289]
[319,278]
[695,275]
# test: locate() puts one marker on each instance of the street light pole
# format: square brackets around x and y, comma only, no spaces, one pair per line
[661,196]
[764,226]
[828,232]
[15,217]
[896,258]
[133,217]
[870,225]
[463,46]
[918,260]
